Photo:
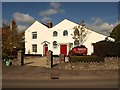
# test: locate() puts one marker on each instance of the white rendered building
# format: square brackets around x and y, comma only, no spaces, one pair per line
[39,38]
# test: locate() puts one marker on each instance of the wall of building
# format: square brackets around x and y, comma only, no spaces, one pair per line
[46,34]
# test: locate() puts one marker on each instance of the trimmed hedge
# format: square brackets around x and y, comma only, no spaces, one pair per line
[33,55]
[91,58]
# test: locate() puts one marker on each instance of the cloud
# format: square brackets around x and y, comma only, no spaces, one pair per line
[21,17]
[45,19]
[54,9]
[118,22]
[48,12]
[22,28]
[101,26]
[97,21]
[55,5]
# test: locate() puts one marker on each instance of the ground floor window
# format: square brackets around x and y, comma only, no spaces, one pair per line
[55,44]
[76,42]
[34,47]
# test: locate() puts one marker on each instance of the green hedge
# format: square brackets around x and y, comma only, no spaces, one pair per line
[86,59]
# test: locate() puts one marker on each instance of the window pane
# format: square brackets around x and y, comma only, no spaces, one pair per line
[76,32]
[54,33]
[34,35]
[34,47]
[76,42]
[55,44]
[65,33]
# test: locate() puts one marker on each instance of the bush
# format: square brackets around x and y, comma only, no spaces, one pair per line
[104,48]
[33,55]
[92,58]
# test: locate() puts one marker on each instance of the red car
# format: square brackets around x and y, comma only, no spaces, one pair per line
[79,50]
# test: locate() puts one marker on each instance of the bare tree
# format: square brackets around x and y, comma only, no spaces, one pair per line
[80,34]
[11,39]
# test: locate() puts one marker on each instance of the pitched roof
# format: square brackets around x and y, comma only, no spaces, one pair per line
[65,22]
[37,23]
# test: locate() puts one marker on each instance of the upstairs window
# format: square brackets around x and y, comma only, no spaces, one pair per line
[65,33]
[34,47]
[76,32]
[34,35]
[55,33]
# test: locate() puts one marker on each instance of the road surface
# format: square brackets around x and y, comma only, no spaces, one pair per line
[61,83]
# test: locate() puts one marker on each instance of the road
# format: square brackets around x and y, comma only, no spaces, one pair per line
[61,83]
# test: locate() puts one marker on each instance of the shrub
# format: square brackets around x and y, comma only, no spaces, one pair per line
[92,58]
[104,48]
[33,55]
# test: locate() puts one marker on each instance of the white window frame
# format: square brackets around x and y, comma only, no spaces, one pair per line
[65,33]
[34,47]
[55,44]
[55,34]
[34,35]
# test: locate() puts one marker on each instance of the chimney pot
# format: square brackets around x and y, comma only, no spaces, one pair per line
[49,24]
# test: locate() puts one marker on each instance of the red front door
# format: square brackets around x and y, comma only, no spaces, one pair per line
[45,48]
[63,49]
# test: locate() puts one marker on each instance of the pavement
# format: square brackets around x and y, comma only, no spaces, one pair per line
[60,83]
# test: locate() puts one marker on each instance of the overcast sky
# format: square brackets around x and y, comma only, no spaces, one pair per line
[99,16]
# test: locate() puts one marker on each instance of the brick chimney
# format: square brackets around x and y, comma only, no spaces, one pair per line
[49,24]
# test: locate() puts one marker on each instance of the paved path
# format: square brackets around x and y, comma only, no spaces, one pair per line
[36,61]
[40,61]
